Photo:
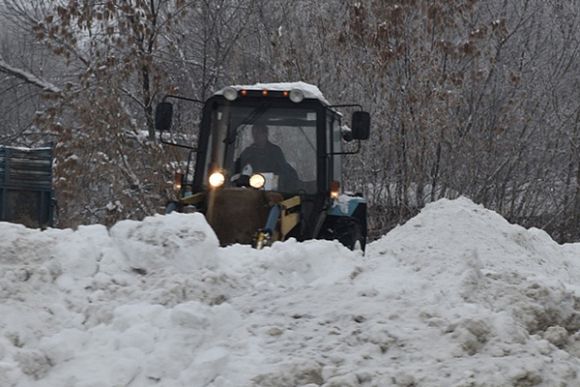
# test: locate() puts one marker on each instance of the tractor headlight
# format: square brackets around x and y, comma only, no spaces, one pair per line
[296,95]
[257,181]
[216,179]
[230,93]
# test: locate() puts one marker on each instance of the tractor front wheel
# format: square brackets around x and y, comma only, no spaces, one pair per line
[347,231]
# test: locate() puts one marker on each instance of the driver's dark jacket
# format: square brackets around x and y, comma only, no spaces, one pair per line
[266,159]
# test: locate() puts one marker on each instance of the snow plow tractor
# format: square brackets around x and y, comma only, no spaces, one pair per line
[268,165]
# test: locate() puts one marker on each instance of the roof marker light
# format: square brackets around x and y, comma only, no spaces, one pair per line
[265,92]
[244,92]
[230,93]
[296,95]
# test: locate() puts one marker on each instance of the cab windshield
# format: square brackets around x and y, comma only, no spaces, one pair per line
[278,143]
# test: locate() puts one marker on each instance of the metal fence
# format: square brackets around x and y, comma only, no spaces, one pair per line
[26,194]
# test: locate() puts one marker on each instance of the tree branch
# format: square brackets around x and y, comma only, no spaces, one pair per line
[28,77]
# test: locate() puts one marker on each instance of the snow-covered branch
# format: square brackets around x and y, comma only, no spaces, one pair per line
[28,77]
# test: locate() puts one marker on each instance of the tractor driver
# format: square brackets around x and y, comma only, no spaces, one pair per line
[264,156]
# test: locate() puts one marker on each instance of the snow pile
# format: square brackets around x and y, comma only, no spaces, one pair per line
[455,297]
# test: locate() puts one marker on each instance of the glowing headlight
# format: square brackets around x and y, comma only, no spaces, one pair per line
[217,179]
[296,95]
[257,181]
[230,93]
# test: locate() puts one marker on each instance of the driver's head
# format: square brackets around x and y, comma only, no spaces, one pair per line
[260,135]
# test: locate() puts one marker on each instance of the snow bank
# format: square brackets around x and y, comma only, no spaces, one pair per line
[455,297]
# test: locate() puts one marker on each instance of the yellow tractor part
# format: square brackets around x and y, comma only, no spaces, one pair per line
[283,217]
[290,215]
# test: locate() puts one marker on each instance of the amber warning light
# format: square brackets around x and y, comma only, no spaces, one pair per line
[178,178]
[294,95]
[334,189]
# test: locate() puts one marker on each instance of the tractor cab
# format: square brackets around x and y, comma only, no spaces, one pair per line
[268,166]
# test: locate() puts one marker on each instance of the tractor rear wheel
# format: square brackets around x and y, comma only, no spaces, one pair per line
[171,207]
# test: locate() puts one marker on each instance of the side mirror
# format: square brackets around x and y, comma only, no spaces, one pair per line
[361,125]
[163,115]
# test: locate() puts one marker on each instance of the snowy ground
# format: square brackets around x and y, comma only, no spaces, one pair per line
[455,297]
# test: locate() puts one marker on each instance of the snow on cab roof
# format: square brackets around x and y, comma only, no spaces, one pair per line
[310,91]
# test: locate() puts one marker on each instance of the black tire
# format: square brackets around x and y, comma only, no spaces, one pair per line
[350,234]
[171,207]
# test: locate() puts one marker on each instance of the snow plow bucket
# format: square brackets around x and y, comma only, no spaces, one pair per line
[236,214]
